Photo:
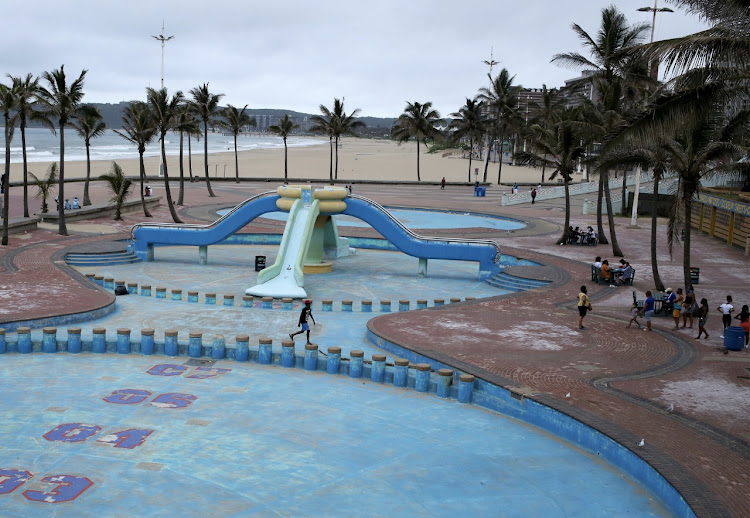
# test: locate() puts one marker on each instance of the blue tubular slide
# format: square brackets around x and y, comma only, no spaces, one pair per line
[487,253]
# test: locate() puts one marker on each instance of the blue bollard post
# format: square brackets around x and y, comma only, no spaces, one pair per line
[123,341]
[366,306]
[241,348]
[287,354]
[192,296]
[377,372]
[247,301]
[267,303]
[218,347]
[327,305]
[109,283]
[161,293]
[99,340]
[24,340]
[211,298]
[74,340]
[265,353]
[356,359]
[145,290]
[385,306]
[445,377]
[333,362]
[229,300]
[90,277]
[403,305]
[49,340]
[311,357]
[176,294]
[3,344]
[422,382]
[465,388]
[171,348]
[455,300]
[438,302]
[133,288]
[286,303]
[147,341]
[99,279]
[421,303]
[469,298]
[346,305]
[195,345]
[401,373]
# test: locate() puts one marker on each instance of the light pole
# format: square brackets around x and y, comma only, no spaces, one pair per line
[655,75]
[163,40]
[491,63]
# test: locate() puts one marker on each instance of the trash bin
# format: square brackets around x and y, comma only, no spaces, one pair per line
[734,338]
[260,262]
[482,190]
[695,275]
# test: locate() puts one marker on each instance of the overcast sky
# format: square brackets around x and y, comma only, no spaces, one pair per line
[294,54]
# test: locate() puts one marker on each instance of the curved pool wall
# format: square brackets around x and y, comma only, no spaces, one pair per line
[504,401]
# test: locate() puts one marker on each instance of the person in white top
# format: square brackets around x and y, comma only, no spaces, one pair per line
[726,312]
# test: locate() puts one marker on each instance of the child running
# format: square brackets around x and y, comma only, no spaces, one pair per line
[634,314]
[306,312]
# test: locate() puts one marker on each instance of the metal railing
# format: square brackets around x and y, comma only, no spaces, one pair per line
[489,242]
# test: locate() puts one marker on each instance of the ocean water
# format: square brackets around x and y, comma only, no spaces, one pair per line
[44,146]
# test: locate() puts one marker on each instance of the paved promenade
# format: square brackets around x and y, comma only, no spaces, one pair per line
[620,381]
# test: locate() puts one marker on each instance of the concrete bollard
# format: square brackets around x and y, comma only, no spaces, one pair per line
[161,292]
[242,348]
[218,347]
[377,372]
[99,279]
[287,354]
[403,305]
[171,348]
[465,388]
[176,294]
[455,299]
[438,302]
[422,381]
[470,298]
[49,340]
[267,303]
[24,340]
[109,283]
[247,301]
[195,345]
[99,340]
[327,305]
[346,305]
[133,288]
[286,303]
[311,357]
[192,296]
[356,359]
[229,300]
[147,341]
[74,340]
[445,377]
[333,362]
[385,306]
[366,306]
[401,373]
[265,351]
[421,303]
[123,341]
[145,290]
[210,298]
[3,344]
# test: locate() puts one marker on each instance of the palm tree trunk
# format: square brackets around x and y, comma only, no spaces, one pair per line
[330,170]
[566,232]
[190,160]
[181,195]
[624,208]
[286,178]
[658,284]
[236,161]
[601,238]
[500,162]
[487,158]
[6,181]
[544,167]
[25,171]
[61,228]
[611,221]
[172,210]
[337,158]
[205,158]
[471,150]
[146,213]
[686,243]
[418,178]
[86,199]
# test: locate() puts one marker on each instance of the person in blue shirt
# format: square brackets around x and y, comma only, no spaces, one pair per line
[76,204]
[648,310]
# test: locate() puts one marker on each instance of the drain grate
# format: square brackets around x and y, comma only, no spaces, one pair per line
[197,362]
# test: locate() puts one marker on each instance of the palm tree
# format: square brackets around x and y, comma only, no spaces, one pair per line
[164,111]
[186,124]
[559,147]
[543,111]
[418,123]
[326,124]
[119,186]
[206,105]
[468,122]
[235,121]
[61,101]
[89,124]
[139,127]
[501,99]
[45,184]
[25,88]
[8,105]
[343,125]
[283,129]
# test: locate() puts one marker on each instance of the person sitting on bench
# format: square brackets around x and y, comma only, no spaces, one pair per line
[606,273]
[627,274]
[67,204]
[76,204]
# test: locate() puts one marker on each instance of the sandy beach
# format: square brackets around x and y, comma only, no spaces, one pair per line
[359,160]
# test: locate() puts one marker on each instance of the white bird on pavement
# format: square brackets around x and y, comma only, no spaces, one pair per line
[642,443]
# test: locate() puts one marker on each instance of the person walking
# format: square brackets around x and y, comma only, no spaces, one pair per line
[688,310]
[584,305]
[302,323]
[533,196]
[726,310]
[702,318]
[442,183]
[677,308]
[744,318]
[648,310]
[634,314]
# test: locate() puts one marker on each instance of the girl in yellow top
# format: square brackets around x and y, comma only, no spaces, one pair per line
[584,305]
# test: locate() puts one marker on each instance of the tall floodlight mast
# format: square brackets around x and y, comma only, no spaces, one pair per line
[163,39]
